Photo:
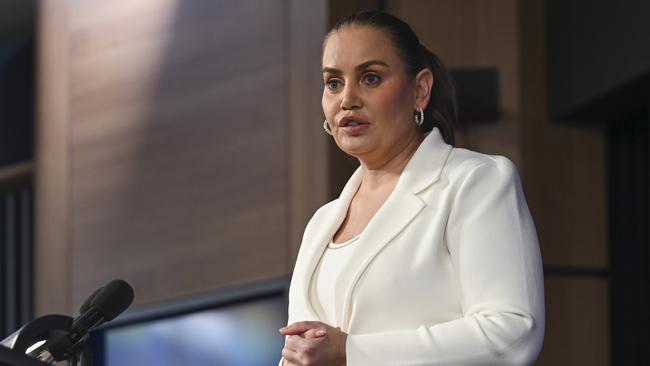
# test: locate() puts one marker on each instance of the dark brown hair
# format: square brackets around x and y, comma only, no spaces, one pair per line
[442,110]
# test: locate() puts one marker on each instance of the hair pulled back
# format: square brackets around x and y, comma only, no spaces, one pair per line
[442,110]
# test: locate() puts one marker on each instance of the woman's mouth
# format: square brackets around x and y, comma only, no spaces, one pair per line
[351,123]
[354,127]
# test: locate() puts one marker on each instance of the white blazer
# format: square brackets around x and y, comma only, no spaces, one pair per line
[450,271]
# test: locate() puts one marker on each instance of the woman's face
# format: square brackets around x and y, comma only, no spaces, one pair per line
[368,98]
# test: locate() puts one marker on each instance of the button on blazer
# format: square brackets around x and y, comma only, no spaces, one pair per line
[450,272]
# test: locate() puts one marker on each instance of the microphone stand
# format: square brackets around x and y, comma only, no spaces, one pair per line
[80,353]
[53,330]
[61,338]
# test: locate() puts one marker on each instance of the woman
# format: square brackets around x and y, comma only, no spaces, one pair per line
[429,256]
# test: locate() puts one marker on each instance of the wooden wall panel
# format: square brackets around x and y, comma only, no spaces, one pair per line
[52,157]
[564,174]
[308,143]
[180,144]
[179,171]
[577,322]
[475,34]
[564,179]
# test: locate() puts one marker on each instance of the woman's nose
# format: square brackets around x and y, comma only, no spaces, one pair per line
[350,98]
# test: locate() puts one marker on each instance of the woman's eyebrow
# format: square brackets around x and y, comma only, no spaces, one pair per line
[331,70]
[369,63]
[361,66]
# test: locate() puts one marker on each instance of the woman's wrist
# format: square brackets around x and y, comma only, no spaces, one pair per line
[343,349]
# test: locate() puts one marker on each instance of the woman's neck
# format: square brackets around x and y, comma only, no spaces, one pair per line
[378,174]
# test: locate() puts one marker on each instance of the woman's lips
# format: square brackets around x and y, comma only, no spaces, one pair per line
[351,122]
[354,127]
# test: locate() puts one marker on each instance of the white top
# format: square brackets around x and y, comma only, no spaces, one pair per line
[449,272]
[322,291]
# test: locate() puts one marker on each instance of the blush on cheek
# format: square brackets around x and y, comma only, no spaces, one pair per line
[394,99]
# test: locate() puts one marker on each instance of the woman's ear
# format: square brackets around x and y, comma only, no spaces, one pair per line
[423,85]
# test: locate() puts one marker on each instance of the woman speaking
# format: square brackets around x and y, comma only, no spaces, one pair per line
[429,256]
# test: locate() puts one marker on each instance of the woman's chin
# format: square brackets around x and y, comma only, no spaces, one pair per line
[355,145]
[355,150]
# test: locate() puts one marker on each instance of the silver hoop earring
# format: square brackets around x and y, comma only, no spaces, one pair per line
[326,127]
[419,116]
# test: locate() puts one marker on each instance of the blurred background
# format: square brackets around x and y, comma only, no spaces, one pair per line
[178,145]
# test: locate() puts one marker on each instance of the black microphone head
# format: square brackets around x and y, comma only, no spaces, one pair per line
[89,301]
[113,299]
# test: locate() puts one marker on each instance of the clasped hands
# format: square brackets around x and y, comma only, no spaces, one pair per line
[313,343]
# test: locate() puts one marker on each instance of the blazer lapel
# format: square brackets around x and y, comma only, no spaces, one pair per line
[324,230]
[401,207]
[398,210]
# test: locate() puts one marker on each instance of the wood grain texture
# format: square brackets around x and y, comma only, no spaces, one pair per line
[577,322]
[178,117]
[475,34]
[52,162]
[564,175]
[308,143]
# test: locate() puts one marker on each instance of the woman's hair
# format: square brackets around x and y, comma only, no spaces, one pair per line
[442,110]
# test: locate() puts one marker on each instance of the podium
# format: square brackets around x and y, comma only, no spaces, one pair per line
[12,358]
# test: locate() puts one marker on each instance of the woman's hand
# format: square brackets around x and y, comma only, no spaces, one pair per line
[313,343]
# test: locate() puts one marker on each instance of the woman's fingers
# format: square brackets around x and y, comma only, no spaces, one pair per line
[315,333]
[290,357]
[310,342]
[302,327]
[300,343]
[298,350]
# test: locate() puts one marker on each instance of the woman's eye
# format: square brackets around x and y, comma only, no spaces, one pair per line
[332,84]
[371,79]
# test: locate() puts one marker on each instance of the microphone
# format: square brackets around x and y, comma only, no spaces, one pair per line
[105,304]
[86,305]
